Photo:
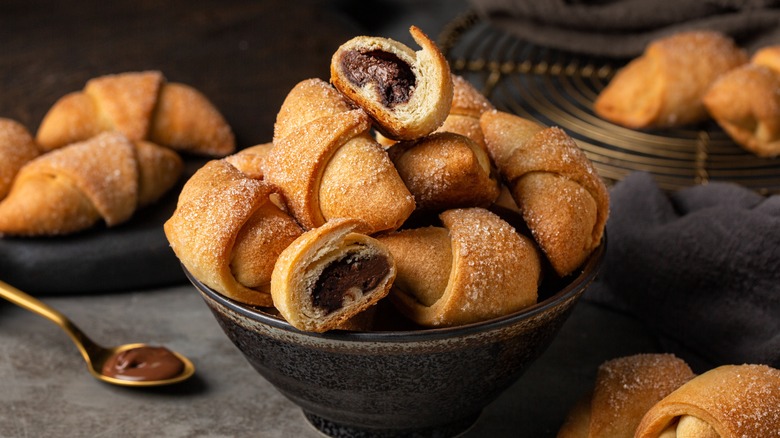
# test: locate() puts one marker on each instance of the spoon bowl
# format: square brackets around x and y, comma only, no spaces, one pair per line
[94,354]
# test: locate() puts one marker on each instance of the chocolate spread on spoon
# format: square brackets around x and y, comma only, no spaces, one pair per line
[143,364]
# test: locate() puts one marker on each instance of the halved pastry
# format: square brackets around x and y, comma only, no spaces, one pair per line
[407,93]
[725,402]
[329,275]
[17,147]
[625,389]
[563,201]
[142,106]
[445,170]
[106,178]
[474,268]
[665,85]
[227,231]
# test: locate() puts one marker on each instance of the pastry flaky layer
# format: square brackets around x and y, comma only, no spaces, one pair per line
[728,401]
[475,268]
[227,231]
[745,102]
[665,85]
[107,177]
[562,199]
[142,106]
[329,275]
[17,147]
[408,94]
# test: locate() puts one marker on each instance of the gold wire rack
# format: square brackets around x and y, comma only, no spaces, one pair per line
[556,88]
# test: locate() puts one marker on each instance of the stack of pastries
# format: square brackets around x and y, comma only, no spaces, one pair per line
[387,182]
[693,76]
[658,396]
[102,153]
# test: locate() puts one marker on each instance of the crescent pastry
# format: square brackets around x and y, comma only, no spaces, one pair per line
[329,275]
[251,160]
[746,103]
[625,389]
[562,199]
[227,231]
[475,268]
[73,188]
[725,402]
[142,106]
[468,105]
[407,93]
[665,85]
[17,147]
[328,165]
[445,170]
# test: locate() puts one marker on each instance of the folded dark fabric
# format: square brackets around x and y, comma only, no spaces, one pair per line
[622,28]
[701,267]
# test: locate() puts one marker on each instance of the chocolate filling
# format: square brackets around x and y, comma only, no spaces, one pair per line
[338,277]
[143,363]
[393,77]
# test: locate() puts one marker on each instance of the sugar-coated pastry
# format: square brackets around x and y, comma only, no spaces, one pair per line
[730,401]
[407,93]
[106,178]
[625,389]
[17,147]
[468,105]
[329,275]
[562,199]
[665,85]
[474,268]
[445,170]
[251,160]
[329,166]
[142,106]
[227,232]
[746,103]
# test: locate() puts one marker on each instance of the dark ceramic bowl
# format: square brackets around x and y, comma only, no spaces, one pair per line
[426,382]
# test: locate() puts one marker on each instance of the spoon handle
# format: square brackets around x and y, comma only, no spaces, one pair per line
[21,299]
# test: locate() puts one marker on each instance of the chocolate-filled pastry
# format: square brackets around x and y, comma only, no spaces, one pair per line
[474,268]
[328,165]
[142,106]
[728,401]
[664,87]
[251,160]
[106,178]
[227,232]
[563,201]
[468,105]
[625,389]
[17,147]
[746,104]
[445,170]
[329,275]
[407,93]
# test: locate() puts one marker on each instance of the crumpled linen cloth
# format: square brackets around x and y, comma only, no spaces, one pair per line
[622,28]
[700,267]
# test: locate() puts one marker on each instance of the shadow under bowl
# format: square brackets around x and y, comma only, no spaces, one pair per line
[422,383]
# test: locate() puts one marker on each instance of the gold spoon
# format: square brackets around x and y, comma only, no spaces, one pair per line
[94,354]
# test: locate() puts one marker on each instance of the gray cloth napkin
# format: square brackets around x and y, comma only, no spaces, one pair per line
[622,28]
[700,267]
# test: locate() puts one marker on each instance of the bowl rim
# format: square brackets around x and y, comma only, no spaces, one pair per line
[587,274]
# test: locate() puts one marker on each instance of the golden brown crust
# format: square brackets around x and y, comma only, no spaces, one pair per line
[625,389]
[425,103]
[664,86]
[468,105]
[732,400]
[563,201]
[495,271]
[251,160]
[70,189]
[445,170]
[227,233]
[307,101]
[17,147]
[768,56]
[302,266]
[142,106]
